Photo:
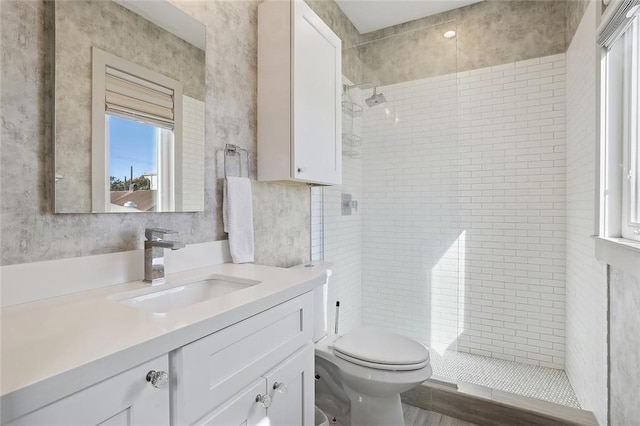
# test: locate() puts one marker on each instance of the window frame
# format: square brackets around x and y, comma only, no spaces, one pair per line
[620,124]
[630,225]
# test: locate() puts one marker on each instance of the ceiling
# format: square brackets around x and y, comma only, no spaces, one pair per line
[372,15]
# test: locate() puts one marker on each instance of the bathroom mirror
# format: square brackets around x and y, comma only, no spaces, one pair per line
[129,107]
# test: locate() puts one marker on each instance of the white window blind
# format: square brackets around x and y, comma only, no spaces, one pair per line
[617,22]
[133,97]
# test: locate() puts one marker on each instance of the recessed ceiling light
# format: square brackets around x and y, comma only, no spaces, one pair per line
[633,11]
[449,34]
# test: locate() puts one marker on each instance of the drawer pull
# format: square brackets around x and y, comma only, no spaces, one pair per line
[280,387]
[158,379]
[263,400]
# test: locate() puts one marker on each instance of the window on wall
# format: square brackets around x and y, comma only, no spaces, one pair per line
[620,40]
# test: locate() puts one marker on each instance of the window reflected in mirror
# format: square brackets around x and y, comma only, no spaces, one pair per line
[136,182]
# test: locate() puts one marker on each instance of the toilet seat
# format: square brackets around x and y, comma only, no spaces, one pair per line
[389,367]
[381,349]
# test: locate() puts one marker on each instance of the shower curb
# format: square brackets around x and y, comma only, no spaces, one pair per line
[485,406]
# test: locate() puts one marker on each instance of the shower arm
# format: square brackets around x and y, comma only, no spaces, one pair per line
[366,85]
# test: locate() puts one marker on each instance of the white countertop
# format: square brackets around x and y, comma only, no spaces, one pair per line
[55,347]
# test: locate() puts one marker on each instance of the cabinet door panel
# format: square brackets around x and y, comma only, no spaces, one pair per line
[295,406]
[125,399]
[122,418]
[317,84]
[240,410]
[216,367]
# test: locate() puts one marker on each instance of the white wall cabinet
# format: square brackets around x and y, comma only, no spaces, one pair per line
[125,399]
[299,95]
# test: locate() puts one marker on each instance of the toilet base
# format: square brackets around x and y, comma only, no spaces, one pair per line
[375,411]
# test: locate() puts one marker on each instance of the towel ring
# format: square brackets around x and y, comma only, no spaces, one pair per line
[231,149]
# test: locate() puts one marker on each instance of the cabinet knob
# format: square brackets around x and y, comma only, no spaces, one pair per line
[158,379]
[280,387]
[263,400]
[299,170]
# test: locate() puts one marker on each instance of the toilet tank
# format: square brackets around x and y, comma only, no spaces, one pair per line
[320,295]
[320,300]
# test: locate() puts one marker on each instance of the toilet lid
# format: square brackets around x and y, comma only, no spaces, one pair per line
[381,349]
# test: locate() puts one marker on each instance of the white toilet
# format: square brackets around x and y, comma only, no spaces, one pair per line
[361,374]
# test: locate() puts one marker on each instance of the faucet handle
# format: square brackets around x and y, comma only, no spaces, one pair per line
[155,233]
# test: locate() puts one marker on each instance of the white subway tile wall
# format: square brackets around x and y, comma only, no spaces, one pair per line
[586,338]
[317,223]
[192,154]
[512,137]
[411,212]
[339,238]
[343,247]
[464,207]
[459,240]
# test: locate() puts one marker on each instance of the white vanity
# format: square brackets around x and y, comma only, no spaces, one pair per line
[235,358]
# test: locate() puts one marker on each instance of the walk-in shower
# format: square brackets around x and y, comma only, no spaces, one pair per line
[457,238]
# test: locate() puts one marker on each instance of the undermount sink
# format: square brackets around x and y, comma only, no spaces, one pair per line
[173,296]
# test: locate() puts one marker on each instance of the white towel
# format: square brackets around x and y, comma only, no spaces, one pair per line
[237,215]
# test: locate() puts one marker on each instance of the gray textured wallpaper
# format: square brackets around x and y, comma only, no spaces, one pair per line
[31,232]
[575,12]
[491,32]
[624,342]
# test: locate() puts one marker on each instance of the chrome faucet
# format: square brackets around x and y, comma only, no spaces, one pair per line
[154,253]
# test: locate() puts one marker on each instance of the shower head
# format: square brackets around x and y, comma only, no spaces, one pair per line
[375,99]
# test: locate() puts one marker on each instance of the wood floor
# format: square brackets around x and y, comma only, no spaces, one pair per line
[414,416]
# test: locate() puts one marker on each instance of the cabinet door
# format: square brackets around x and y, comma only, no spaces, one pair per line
[219,366]
[316,109]
[125,399]
[291,386]
[242,409]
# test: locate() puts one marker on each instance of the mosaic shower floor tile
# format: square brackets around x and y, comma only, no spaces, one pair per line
[532,381]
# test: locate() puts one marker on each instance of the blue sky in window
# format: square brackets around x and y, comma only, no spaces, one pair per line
[131,144]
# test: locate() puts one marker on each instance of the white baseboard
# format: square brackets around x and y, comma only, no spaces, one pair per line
[29,282]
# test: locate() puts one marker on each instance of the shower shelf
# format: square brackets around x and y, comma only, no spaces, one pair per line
[351,108]
[351,139]
[352,153]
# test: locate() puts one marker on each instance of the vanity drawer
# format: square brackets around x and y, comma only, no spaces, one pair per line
[126,398]
[216,367]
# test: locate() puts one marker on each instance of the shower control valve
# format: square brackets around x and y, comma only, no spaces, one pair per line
[348,204]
